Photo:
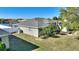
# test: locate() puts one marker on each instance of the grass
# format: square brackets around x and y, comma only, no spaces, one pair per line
[62,43]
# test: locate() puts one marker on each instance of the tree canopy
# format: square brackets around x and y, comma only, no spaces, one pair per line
[55,18]
[71,14]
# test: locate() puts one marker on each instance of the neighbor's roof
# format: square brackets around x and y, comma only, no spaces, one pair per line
[35,23]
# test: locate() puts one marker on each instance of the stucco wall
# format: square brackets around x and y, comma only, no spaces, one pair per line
[5,40]
[30,31]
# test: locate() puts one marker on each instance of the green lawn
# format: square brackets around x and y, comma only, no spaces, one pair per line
[64,42]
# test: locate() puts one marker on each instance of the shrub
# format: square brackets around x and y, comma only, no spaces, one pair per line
[49,31]
[2,47]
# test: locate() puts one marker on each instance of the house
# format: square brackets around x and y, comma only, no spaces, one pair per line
[31,27]
[4,38]
[9,21]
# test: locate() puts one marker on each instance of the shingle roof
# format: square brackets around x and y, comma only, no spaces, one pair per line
[35,23]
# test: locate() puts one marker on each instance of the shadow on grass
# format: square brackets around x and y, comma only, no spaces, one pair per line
[53,36]
[77,38]
[18,44]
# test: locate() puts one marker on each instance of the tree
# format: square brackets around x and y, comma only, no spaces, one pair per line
[59,18]
[1,20]
[55,18]
[19,19]
[71,14]
[49,19]
[51,30]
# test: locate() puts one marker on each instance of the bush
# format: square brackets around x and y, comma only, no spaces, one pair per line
[49,31]
[2,47]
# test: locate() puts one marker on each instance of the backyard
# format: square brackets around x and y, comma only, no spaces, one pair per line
[61,43]
[61,33]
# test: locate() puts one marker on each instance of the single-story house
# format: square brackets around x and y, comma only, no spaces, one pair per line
[9,21]
[31,27]
[4,38]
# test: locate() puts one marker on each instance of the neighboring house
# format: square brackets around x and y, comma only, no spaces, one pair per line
[31,27]
[9,21]
[4,38]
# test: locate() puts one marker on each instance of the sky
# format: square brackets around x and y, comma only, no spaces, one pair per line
[29,12]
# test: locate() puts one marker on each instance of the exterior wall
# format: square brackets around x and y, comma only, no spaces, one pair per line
[30,31]
[5,40]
